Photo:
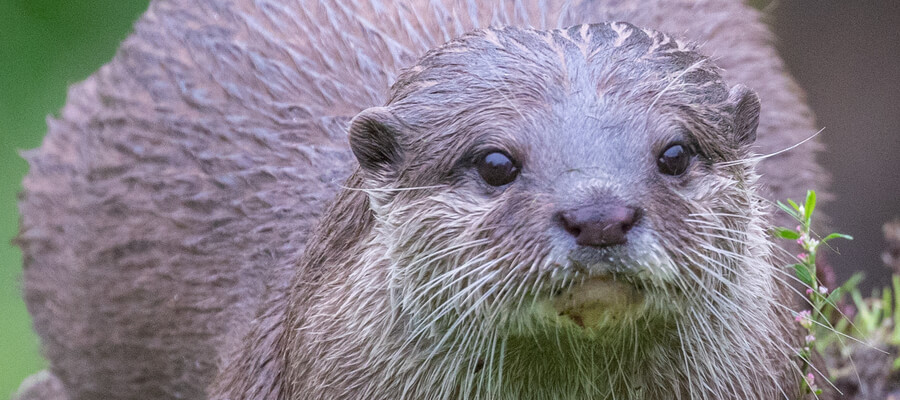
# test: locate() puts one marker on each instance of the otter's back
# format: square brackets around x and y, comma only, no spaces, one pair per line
[182,179]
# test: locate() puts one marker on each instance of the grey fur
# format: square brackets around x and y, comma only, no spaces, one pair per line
[41,386]
[168,208]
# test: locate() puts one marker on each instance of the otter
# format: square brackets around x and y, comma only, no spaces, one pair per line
[524,200]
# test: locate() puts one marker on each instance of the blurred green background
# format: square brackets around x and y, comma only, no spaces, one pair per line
[45,45]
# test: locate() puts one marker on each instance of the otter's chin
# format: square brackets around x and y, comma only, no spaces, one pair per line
[597,301]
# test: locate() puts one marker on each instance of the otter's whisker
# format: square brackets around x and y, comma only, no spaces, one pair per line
[756,159]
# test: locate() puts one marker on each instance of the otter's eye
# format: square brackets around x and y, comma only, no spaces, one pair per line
[497,169]
[674,160]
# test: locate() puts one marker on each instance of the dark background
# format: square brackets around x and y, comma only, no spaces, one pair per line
[845,54]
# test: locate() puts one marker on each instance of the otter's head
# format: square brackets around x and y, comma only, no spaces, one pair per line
[587,181]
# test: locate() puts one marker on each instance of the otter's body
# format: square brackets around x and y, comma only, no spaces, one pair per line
[169,216]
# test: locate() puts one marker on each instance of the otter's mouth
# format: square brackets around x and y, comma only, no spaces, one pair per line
[597,300]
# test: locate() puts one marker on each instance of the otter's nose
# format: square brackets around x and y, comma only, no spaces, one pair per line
[599,225]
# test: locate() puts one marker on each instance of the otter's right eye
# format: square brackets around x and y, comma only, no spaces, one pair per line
[674,160]
[497,169]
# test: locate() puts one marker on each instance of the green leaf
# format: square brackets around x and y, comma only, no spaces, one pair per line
[865,314]
[886,303]
[803,274]
[836,236]
[787,209]
[896,283]
[810,205]
[842,324]
[786,233]
[853,282]
[796,207]
[834,296]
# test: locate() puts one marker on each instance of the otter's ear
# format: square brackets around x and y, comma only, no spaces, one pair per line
[373,140]
[746,114]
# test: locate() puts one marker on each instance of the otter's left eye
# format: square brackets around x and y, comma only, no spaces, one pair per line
[497,168]
[674,160]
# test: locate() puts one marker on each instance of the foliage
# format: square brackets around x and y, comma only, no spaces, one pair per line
[841,317]
[816,321]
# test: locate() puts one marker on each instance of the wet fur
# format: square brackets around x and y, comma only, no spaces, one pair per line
[167,217]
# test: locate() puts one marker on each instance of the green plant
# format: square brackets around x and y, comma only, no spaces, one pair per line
[822,303]
[875,320]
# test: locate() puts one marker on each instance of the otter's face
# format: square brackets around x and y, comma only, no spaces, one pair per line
[584,179]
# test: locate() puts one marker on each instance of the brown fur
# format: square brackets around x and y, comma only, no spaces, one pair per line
[166,212]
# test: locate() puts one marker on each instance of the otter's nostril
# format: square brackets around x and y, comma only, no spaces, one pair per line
[599,225]
[570,227]
[632,220]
